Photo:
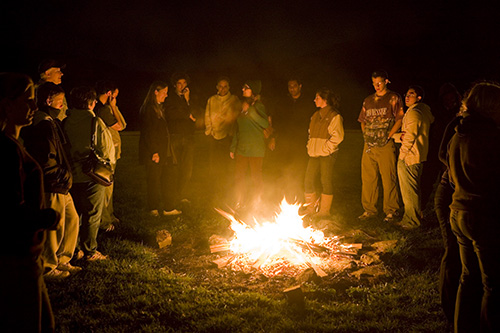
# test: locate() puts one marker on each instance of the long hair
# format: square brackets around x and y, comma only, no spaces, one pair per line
[12,85]
[332,99]
[150,100]
[484,98]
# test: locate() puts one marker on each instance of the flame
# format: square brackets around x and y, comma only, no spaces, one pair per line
[283,243]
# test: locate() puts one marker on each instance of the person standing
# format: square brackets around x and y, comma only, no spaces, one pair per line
[412,155]
[473,160]
[181,124]
[291,122]
[380,117]
[89,196]
[50,70]
[326,132]
[156,153]
[44,140]
[249,144]
[24,300]
[108,111]
[220,116]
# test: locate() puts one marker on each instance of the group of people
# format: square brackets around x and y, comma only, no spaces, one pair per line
[242,130]
[55,208]
[60,209]
[467,192]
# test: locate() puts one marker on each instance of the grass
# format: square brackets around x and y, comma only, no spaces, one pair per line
[143,289]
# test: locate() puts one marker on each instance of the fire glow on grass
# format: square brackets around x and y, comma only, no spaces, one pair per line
[283,245]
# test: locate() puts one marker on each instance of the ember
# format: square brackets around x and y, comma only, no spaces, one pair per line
[282,246]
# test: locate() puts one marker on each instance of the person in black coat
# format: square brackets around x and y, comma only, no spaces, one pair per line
[156,153]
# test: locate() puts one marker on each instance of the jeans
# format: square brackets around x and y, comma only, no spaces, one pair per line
[323,167]
[478,235]
[89,203]
[451,267]
[409,182]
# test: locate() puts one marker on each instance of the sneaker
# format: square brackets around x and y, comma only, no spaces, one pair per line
[154,213]
[69,268]
[56,275]
[390,217]
[78,255]
[366,216]
[405,226]
[111,227]
[96,256]
[172,212]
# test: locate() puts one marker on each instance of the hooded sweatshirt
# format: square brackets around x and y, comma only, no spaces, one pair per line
[473,162]
[416,126]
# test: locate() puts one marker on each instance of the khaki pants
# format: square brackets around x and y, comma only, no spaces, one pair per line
[60,244]
[375,161]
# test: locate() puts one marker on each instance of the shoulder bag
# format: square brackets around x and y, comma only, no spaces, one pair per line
[98,169]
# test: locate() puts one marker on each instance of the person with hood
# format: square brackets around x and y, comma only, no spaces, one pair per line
[473,164]
[412,154]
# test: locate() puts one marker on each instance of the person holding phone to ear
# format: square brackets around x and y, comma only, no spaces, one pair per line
[181,124]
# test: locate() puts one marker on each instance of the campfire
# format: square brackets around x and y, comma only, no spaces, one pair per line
[281,246]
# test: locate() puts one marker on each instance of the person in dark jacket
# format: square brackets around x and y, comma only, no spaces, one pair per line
[156,153]
[451,267]
[180,115]
[44,140]
[473,164]
[24,301]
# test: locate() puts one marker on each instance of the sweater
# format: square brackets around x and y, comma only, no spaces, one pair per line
[326,132]
[220,115]
[473,160]
[416,126]
[249,140]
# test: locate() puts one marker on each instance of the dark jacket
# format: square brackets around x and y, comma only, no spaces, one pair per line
[473,162]
[44,140]
[22,202]
[155,137]
[177,112]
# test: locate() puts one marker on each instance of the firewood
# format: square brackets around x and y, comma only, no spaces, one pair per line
[219,248]
[222,262]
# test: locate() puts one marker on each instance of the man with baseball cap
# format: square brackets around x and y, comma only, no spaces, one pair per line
[50,71]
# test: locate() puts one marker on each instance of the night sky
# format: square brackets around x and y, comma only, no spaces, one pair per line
[323,42]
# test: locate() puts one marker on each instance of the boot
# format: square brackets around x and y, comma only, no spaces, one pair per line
[325,204]
[309,207]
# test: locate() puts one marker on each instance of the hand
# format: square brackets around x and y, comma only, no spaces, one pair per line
[156,158]
[272,144]
[192,117]
[185,93]
[112,101]
[231,154]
